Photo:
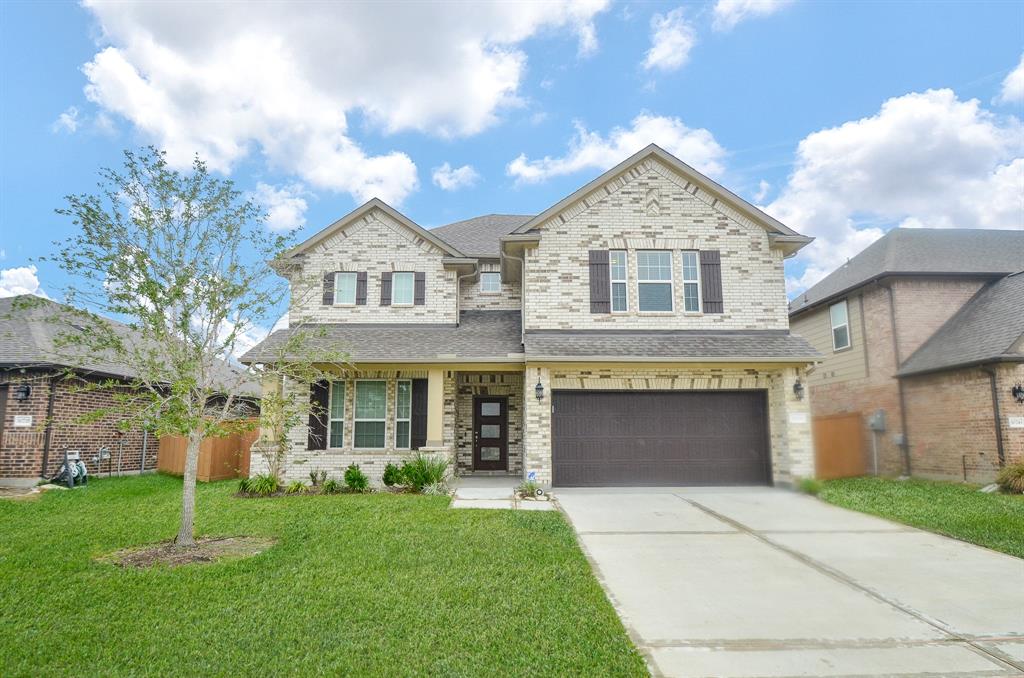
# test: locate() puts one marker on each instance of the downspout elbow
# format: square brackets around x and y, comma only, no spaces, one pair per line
[458,291]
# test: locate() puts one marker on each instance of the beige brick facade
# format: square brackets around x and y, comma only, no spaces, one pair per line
[508,384]
[471,298]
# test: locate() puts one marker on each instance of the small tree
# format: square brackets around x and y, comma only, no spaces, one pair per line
[182,259]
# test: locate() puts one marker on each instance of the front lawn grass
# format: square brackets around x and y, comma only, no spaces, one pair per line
[952,509]
[380,584]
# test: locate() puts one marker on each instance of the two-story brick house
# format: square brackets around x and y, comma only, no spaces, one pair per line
[926,327]
[635,333]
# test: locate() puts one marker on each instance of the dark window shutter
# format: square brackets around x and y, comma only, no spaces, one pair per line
[329,289]
[419,288]
[419,413]
[385,289]
[600,287]
[711,281]
[361,288]
[318,394]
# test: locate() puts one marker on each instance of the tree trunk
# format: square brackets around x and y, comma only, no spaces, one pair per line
[186,535]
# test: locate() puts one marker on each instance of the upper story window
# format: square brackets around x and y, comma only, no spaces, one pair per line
[838,317]
[490,282]
[617,273]
[345,289]
[337,414]
[691,282]
[402,285]
[654,280]
[371,413]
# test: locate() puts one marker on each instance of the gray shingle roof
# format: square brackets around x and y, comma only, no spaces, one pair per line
[29,334]
[479,236]
[668,344]
[491,335]
[989,328]
[920,251]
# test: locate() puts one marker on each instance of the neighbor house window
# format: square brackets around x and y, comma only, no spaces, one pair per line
[371,413]
[345,289]
[691,282]
[337,414]
[654,280]
[840,326]
[403,413]
[617,272]
[490,282]
[401,289]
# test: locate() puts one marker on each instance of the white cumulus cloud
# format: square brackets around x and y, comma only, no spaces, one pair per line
[66,121]
[20,280]
[728,13]
[285,206]
[1013,85]
[452,179]
[590,150]
[230,79]
[924,159]
[672,38]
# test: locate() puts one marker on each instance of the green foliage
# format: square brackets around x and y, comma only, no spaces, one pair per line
[263,485]
[435,489]
[330,486]
[528,488]
[392,475]
[317,478]
[423,470]
[295,487]
[1011,479]
[355,479]
[811,486]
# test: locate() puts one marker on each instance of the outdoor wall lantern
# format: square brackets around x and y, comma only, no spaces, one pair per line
[22,392]
[539,390]
[798,390]
[1018,393]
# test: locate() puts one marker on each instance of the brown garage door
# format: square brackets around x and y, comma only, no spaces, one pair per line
[659,438]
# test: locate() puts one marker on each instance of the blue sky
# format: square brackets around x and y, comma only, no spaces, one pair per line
[842,119]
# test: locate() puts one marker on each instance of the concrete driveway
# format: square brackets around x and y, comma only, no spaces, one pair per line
[763,582]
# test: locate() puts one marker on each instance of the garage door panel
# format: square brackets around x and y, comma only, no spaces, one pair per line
[659,438]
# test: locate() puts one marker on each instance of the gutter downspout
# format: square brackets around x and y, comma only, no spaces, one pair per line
[49,425]
[990,371]
[522,293]
[458,290]
[902,398]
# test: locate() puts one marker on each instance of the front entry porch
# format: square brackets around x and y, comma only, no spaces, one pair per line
[489,423]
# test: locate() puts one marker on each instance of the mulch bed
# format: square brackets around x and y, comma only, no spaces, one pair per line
[206,550]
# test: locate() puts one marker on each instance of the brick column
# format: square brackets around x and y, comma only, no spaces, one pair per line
[790,420]
[537,426]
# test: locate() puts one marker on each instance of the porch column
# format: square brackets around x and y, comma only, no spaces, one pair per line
[435,408]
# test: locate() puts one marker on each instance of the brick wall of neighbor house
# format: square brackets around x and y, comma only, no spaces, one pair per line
[652,208]
[952,429]
[375,244]
[789,418]
[471,298]
[21,449]
[923,305]
[301,460]
[500,384]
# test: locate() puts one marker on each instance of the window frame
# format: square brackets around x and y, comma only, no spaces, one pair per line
[833,327]
[394,288]
[696,281]
[670,282]
[330,412]
[407,419]
[613,281]
[355,287]
[356,419]
[483,290]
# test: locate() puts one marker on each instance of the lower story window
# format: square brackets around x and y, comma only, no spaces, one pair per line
[337,417]
[370,414]
[403,414]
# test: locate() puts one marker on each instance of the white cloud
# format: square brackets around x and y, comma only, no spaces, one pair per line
[285,82]
[449,179]
[762,190]
[285,206]
[728,13]
[1013,85]
[66,121]
[925,159]
[696,147]
[20,280]
[672,38]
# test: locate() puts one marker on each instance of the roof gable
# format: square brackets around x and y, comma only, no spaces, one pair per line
[364,210]
[674,169]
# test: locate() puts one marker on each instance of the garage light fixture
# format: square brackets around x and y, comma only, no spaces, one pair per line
[798,390]
[1018,393]
[539,390]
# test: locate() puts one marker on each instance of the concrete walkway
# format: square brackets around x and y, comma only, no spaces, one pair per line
[493,492]
[763,582]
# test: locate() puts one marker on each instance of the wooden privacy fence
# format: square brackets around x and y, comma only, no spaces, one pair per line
[839,446]
[219,458]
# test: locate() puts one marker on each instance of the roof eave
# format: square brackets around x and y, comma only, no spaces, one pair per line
[980,362]
[788,360]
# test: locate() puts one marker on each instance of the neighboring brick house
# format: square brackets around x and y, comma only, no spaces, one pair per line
[44,397]
[635,333]
[924,325]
